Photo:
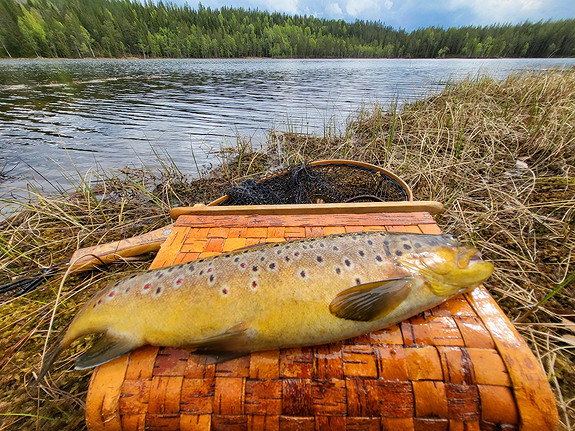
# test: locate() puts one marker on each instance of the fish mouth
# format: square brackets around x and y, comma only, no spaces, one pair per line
[467,257]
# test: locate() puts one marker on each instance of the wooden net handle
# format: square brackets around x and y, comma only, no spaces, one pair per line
[335,162]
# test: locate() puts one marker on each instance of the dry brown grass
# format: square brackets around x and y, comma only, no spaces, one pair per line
[499,155]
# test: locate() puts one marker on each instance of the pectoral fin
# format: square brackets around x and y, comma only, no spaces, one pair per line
[371,301]
[106,348]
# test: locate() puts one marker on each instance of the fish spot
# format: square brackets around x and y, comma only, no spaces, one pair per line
[202,272]
[335,248]
[337,270]
[127,290]
[398,253]
[278,252]
[132,276]
[361,253]
[191,268]
[403,238]
[354,238]
[225,291]
[111,294]
[178,283]
[370,242]
[210,270]
[357,281]
[297,254]
[170,269]
[379,258]
[386,242]
[99,301]
[237,259]
[255,268]
[146,287]
[417,245]
[242,266]
[159,275]
[321,244]
[262,258]
[211,280]
[320,260]
[311,246]
[347,262]
[407,246]
[304,247]
[254,284]
[158,292]
[287,259]
[303,274]
[272,267]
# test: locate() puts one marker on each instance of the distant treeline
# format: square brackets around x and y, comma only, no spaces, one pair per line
[123,28]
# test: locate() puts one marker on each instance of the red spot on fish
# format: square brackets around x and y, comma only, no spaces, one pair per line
[243,264]
[254,284]
[225,291]
[111,294]
[147,286]
[272,265]
[210,269]
[179,281]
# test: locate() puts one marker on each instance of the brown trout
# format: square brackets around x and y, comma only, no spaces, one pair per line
[296,293]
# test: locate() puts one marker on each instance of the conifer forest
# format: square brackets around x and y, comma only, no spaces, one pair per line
[128,28]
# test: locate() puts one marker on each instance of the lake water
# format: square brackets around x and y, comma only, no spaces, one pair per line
[60,117]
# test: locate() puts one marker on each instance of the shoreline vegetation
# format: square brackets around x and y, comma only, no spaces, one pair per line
[500,155]
[129,28]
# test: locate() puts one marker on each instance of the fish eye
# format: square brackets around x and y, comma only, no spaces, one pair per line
[451,238]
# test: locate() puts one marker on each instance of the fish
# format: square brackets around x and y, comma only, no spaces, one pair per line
[287,294]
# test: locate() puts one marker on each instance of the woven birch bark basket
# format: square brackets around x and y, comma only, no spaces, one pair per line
[459,366]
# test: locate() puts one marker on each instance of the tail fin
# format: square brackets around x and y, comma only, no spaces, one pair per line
[52,354]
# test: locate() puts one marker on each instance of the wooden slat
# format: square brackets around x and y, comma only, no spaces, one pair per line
[430,207]
[306,220]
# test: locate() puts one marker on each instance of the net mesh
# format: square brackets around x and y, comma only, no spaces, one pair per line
[328,183]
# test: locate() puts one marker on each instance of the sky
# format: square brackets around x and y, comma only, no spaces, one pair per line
[413,14]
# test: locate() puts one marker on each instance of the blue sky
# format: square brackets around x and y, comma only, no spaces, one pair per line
[413,14]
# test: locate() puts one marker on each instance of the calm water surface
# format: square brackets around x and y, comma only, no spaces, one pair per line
[59,117]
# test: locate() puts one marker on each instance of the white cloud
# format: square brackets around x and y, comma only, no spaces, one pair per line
[388,4]
[356,7]
[334,9]
[287,6]
[488,11]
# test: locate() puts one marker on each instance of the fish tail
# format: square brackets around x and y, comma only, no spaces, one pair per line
[53,352]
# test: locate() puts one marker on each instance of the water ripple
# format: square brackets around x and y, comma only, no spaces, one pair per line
[59,116]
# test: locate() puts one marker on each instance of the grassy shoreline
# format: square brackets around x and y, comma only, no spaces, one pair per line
[499,155]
